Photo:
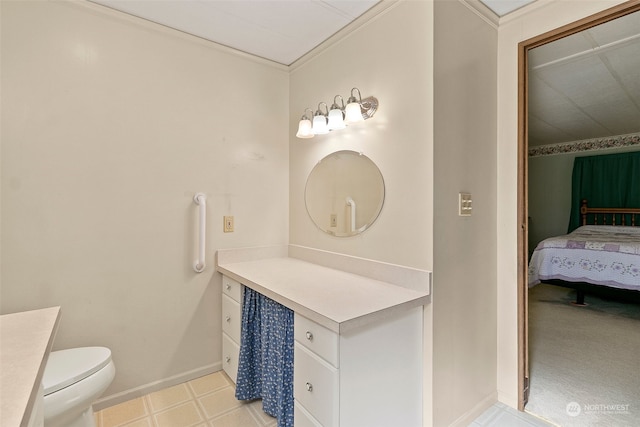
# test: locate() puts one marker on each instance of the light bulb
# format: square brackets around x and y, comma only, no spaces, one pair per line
[320,125]
[304,129]
[336,119]
[353,113]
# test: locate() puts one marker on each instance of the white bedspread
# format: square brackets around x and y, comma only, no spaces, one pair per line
[598,254]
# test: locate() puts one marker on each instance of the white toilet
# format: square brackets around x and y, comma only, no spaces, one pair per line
[72,380]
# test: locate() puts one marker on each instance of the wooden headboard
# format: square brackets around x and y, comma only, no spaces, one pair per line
[609,216]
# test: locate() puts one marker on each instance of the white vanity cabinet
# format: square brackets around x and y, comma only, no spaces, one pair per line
[231,325]
[358,348]
[369,376]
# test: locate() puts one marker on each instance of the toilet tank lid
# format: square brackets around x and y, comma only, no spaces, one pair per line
[66,367]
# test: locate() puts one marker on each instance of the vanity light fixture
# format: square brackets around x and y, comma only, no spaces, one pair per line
[338,117]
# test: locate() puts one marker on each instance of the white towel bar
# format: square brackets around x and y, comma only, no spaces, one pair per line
[201,200]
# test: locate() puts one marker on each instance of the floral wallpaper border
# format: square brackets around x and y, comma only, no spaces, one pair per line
[586,145]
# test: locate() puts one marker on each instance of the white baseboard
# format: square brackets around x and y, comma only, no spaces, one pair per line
[114,399]
[467,418]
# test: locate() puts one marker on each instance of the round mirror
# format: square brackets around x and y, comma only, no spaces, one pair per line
[344,193]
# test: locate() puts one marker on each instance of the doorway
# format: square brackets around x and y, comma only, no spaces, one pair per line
[523,174]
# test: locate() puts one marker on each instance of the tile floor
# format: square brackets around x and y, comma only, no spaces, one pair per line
[210,401]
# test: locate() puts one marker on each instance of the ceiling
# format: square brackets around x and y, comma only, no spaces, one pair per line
[587,85]
[278,30]
[504,7]
[581,87]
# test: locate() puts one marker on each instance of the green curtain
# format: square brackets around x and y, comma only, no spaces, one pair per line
[610,181]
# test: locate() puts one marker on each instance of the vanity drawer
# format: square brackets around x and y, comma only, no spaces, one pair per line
[315,386]
[232,288]
[316,338]
[301,418]
[231,318]
[230,356]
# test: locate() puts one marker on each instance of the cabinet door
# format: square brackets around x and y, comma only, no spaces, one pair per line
[316,338]
[302,418]
[230,355]
[232,288]
[231,318]
[315,386]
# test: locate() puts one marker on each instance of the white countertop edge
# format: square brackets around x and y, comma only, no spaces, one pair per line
[40,327]
[399,275]
[347,327]
[280,299]
[331,324]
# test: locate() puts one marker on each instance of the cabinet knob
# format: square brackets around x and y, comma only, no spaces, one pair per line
[228,319]
[309,387]
[227,359]
[309,336]
[227,286]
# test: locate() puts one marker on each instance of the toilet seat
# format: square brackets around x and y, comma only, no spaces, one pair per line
[66,367]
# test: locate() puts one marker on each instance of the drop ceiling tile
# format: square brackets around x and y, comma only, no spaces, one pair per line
[559,49]
[618,29]
[557,111]
[585,80]
[542,133]
[626,62]
[618,117]
[543,97]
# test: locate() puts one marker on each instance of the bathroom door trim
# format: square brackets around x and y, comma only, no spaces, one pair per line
[523,190]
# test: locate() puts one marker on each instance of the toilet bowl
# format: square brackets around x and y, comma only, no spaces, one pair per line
[72,380]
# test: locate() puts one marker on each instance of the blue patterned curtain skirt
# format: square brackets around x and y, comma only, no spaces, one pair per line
[265,366]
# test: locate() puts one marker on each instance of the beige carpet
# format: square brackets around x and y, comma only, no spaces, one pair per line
[584,361]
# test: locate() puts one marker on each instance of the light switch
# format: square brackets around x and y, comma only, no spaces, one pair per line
[464,204]
[228,224]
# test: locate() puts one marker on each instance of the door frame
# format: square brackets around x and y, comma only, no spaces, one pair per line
[523,174]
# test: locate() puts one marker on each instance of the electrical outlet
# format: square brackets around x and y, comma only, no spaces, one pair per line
[228,224]
[334,220]
[464,204]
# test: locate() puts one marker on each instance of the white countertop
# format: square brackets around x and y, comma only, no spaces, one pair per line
[336,299]
[26,339]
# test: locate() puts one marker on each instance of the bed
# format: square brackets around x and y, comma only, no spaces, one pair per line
[600,257]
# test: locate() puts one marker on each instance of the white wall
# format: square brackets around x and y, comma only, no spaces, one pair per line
[464,293]
[531,21]
[391,58]
[110,124]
